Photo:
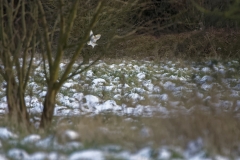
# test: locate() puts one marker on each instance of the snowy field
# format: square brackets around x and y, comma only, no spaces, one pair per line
[126,88]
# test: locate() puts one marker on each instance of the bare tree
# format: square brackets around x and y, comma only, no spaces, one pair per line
[17,44]
[23,29]
[52,59]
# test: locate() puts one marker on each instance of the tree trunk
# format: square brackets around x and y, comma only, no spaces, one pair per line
[16,105]
[49,105]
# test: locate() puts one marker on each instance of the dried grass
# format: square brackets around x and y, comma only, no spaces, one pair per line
[220,132]
[198,44]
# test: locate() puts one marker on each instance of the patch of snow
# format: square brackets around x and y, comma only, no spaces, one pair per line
[76,77]
[33,138]
[135,97]
[6,134]
[164,97]
[174,104]
[45,143]
[222,71]
[68,84]
[169,85]
[148,84]
[206,69]
[162,110]
[2,157]
[38,156]
[17,154]
[112,66]
[62,65]
[136,67]
[226,105]
[156,89]
[143,154]
[200,156]
[206,87]
[108,106]
[218,157]
[206,79]
[108,88]
[3,108]
[78,96]
[98,82]
[164,154]
[183,79]
[42,94]
[72,146]
[89,73]
[91,100]
[117,96]
[87,155]
[141,76]
[173,77]
[36,108]
[237,87]
[101,64]
[42,75]
[56,156]
[70,135]
[194,148]
[75,65]
[129,110]
[4,99]
[121,64]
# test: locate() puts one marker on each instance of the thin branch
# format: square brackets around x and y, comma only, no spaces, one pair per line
[46,37]
[30,39]
[34,44]
[10,19]
[54,28]
[23,16]
[44,62]
[84,69]
[2,33]
[54,70]
[80,46]
[72,17]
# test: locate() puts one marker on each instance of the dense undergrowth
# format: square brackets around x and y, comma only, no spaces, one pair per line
[197,45]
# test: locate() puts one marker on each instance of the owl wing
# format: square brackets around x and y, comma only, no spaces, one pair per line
[91,33]
[97,37]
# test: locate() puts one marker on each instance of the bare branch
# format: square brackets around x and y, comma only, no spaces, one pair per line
[76,72]
[81,44]
[46,37]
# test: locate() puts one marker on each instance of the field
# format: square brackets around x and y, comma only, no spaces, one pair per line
[134,109]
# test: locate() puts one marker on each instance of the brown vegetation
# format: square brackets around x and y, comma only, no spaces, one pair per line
[212,43]
[219,132]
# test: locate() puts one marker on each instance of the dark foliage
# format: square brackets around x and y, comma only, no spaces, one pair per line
[175,16]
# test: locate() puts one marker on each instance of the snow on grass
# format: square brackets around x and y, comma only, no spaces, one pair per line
[131,83]
[129,88]
[6,134]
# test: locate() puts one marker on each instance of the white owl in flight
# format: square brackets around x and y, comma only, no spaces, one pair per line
[93,39]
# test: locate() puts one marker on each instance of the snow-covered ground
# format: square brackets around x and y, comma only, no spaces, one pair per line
[51,149]
[137,88]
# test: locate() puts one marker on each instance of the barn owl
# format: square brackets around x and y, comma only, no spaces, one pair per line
[93,39]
